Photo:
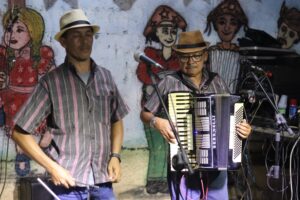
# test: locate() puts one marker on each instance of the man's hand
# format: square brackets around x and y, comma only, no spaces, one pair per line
[243,129]
[164,127]
[114,169]
[61,176]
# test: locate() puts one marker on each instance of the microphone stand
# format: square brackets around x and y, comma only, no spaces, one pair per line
[282,125]
[181,149]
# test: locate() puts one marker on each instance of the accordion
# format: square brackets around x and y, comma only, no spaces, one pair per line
[206,129]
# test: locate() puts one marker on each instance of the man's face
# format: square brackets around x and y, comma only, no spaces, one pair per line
[192,63]
[227,27]
[78,43]
[287,36]
[167,34]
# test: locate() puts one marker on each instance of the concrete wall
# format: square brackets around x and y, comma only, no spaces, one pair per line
[122,23]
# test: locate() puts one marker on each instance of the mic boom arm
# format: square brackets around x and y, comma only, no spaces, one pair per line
[140,56]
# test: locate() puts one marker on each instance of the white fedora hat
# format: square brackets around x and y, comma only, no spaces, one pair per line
[74,19]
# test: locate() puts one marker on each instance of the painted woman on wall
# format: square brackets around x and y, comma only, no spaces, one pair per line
[288,26]
[23,60]
[162,28]
[227,19]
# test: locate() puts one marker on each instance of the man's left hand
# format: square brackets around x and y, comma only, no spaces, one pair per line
[114,169]
[243,129]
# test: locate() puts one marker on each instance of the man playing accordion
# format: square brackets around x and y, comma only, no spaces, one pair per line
[193,76]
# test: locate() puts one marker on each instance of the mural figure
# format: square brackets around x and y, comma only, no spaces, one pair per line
[227,19]
[224,58]
[162,28]
[23,60]
[288,26]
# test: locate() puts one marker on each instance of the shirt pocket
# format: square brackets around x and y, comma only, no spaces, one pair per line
[102,108]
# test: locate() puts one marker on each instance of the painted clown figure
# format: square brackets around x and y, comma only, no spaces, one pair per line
[162,28]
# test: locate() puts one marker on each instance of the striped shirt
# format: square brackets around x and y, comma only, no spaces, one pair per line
[172,84]
[79,117]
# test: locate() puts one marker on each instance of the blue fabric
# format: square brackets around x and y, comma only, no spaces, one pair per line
[189,187]
[20,157]
[103,192]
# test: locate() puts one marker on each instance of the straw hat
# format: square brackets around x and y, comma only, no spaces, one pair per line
[74,19]
[190,42]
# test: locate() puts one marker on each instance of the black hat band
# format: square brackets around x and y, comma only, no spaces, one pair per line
[187,46]
[75,23]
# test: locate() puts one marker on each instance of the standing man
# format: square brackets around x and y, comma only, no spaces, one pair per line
[193,76]
[84,111]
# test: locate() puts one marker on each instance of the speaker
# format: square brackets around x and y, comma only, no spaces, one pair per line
[31,189]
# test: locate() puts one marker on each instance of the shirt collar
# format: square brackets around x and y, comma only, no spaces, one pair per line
[205,77]
[71,67]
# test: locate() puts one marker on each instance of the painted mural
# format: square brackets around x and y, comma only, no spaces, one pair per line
[22,52]
[23,60]
[226,19]
[162,28]
[288,26]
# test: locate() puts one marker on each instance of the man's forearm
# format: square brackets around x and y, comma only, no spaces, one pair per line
[32,149]
[146,116]
[117,134]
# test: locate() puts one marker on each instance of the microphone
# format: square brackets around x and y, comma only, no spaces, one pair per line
[248,95]
[274,171]
[282,121]
[141,57]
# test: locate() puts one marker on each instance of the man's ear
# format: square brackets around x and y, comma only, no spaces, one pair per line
[62,41]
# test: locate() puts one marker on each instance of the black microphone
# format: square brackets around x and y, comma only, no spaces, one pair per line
[142,57]
[276,166]
[274,171]
[248,95]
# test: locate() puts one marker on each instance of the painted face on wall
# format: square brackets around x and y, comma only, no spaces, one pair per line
[167,34]
[226,26]
[18,36]
[287,36]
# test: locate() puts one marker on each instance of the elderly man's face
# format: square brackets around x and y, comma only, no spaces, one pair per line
[192,63]
[287,36]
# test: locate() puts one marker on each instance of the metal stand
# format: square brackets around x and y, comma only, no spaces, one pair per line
[48,189]
[182,156]
[282,125]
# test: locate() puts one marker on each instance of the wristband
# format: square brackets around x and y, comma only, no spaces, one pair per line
[116,155]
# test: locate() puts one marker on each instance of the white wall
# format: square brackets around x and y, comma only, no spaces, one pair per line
[121,36]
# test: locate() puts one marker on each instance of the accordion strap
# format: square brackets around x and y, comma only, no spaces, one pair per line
[211,76]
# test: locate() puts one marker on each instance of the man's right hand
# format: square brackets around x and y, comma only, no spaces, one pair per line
[61,176]
[163,126]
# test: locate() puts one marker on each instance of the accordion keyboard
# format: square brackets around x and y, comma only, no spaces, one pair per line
[179,105]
